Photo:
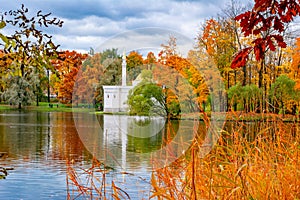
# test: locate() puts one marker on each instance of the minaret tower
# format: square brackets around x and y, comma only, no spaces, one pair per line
[124,69]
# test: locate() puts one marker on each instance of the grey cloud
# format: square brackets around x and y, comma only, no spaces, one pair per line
[91,22]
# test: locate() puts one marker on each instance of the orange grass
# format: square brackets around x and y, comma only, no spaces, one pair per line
[238,167]
[261,165]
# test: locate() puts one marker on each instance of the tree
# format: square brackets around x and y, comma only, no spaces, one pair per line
[283,94]
[29,49]
[21,88]
[86,85]
[251,96]
[150,60]
[5,61]
[112,64]
[92,72]
[147,98]
[234,96]
[134,66]
[246,98]
[218,39]
[110,69]
[144,99]
[67,66]
[295,65]
[266,21]
[183,70]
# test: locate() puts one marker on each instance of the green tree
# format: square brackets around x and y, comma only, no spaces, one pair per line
[283,94]
[21,89]
[234,96]
[148,98]
[245,98]
[251,96]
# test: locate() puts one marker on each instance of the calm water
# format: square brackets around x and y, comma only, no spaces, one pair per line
[38,144]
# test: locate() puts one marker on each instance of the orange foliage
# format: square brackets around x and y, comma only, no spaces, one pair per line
[150,58]
[87,80]
[66,67]
[134,59]
[295,67]
[191,74]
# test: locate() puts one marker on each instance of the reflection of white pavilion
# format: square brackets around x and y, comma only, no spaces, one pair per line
[115,96]
[117,128]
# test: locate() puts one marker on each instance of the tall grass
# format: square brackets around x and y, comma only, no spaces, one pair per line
[91,183]
[265,166]
[261,163]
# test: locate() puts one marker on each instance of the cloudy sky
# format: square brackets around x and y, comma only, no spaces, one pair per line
[126,24]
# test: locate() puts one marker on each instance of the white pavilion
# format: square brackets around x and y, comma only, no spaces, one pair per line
[115,96]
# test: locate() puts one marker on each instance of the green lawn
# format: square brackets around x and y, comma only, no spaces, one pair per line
[44,107]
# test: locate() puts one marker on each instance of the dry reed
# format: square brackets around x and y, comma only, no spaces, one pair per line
[265,166]
[91,183]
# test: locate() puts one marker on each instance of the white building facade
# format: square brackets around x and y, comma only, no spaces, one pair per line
[115,96]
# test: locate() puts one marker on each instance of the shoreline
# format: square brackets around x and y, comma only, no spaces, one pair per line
[239,116]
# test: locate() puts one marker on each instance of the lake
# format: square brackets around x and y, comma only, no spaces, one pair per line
[37,145]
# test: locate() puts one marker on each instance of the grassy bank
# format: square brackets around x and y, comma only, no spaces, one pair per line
[53,107]
[229,116]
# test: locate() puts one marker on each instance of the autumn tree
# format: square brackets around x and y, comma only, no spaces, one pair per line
[295,65]
[30,50]
[185,70]
[91,72]
[150,60]
[218,39]
[210,81]
[5,61]
[134,64]
[266,21]
[87,80]
[66,67]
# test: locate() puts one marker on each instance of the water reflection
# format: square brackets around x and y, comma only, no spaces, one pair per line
[121,140]
[37,145]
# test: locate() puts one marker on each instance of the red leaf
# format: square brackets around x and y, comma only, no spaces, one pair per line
[278,25]
[271,44]
[241,58]
[279,40]
[259,48]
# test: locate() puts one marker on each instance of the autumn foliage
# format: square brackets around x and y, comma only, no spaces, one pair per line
[266,21]
[296,64]
[170,58]
[67,66]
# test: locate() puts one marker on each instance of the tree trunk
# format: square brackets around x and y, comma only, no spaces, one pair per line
[245,75]
[37,99]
